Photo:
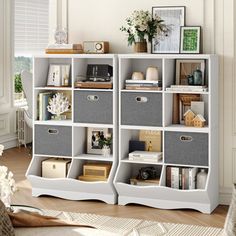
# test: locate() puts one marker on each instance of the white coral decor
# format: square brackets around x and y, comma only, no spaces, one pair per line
[58,104]
[7,185]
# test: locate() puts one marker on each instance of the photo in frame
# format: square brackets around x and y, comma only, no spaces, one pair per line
[93,136]
[186,67]
[174,18]
[190,39]
[58,75]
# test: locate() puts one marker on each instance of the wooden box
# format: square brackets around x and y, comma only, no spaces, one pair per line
[96,170]
[55,168]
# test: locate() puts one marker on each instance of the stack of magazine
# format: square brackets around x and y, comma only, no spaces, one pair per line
[187,88]
[142,85]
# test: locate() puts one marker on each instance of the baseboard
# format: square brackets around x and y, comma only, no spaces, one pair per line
[225,196]
[9,141]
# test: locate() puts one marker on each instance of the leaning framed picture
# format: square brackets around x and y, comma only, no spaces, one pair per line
[174,18]
[93,137]
[190,39]
[54,75]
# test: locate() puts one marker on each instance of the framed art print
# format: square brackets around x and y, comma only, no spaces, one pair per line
[54,75]
[190,39]
[93,137]
[174,18]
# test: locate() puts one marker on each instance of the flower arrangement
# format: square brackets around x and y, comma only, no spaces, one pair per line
[7,183]
[106,141]
[141,26]
[58,104]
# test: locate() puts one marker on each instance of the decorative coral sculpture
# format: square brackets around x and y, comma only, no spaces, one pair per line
[58,105]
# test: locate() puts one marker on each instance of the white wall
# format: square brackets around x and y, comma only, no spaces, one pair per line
[101,19]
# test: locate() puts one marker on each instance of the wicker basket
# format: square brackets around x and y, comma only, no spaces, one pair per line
[140,46]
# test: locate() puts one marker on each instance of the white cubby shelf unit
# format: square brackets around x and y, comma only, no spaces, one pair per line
[72,133]
[133,118]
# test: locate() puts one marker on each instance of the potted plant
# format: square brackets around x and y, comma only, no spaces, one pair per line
[105,144]
[142,27]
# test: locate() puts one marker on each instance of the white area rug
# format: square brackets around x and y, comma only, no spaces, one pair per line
[135,227]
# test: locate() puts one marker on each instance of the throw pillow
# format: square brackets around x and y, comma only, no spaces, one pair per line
[230,222]
[6,227]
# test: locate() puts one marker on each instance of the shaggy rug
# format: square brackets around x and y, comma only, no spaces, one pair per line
[135,227]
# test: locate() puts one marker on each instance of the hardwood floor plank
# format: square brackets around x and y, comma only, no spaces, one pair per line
[17,160]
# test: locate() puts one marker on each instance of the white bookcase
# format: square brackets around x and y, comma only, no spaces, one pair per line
[160,196]
[204,200]
[70,187]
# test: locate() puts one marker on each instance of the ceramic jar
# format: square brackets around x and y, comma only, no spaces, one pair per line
[152,73]
[201,179]
[137,76]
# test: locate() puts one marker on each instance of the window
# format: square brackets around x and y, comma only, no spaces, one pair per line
[31,36]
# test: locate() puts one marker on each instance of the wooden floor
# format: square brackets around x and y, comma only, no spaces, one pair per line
[17,160]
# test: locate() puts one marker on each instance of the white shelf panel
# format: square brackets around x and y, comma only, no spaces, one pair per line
[186,92]
[43,155]
[140,91]
[94,157]
[54,88]
[134,127]
[93,90]
[93,125]
[54,122]
[141,162]
[183,128]
[179,165]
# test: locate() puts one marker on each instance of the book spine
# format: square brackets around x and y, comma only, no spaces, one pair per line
[175,177]
[180,177]
[192,178]
[168,176]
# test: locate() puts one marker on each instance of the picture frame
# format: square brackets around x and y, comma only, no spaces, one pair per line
[93,135]
[186,67]
[174,17]
[58,75]
[190,38]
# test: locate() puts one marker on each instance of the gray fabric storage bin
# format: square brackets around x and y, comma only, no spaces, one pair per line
[186,148]
[93,107]
[53,140]
[141,108]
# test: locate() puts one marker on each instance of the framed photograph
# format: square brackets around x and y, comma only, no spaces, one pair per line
[58,75]
[174,18]
[186,67]
[190,39]
[93,136]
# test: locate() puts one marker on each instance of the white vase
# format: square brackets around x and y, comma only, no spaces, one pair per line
[149,47]
[106,151]
[201,179]
[152,73]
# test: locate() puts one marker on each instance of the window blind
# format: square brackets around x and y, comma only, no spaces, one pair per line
[31,26]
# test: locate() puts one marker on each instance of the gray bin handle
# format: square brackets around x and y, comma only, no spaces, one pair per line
[141,99]
[93,98]
[186,138]
[53,131]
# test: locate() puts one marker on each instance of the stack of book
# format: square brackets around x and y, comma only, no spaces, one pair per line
[64,49]
[142,85]
[181,178]
[187,88]
[43,101]
[145,156]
